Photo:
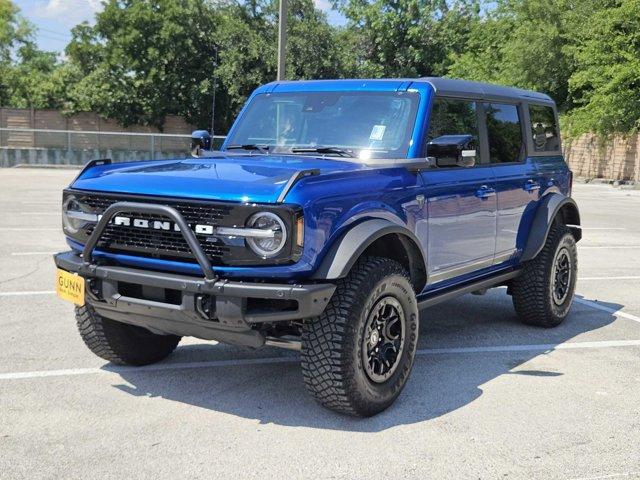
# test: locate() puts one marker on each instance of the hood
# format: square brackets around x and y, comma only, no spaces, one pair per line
[227,177]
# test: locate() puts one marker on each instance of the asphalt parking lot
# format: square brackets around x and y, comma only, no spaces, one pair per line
[488,397]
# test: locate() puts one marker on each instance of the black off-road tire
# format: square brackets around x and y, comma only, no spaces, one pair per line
[533,290]
[333,355]
[121,343]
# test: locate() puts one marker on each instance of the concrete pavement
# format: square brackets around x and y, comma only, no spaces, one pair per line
[488,397]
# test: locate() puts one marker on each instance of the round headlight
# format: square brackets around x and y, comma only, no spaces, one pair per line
[71,223]
[272,241]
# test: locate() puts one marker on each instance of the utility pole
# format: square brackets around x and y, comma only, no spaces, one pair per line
[213,99]
[282,39]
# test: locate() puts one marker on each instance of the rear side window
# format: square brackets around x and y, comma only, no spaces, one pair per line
[504,128]
[544,129]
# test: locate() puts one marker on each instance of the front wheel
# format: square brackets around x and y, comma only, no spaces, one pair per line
[543,292]
[357,355]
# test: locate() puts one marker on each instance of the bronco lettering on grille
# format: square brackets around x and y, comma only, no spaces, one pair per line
[158,225]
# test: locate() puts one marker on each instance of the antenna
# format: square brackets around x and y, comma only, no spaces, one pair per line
[282,39]
[213,99]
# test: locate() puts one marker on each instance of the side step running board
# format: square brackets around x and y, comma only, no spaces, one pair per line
[430,299]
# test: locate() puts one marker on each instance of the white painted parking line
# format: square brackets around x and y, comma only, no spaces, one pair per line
[624,277]
[26,254]
[611,475]
[26,294]
[604,308]
[56,214]
[528,348]
[264,361]
[149,368]
[608,247]
[602,228]
[21,229]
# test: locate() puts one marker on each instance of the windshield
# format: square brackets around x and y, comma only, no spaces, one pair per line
[354,124]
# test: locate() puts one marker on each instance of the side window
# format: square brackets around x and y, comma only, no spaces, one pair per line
[452,139]
[544,129]
[453,117]
[504,129]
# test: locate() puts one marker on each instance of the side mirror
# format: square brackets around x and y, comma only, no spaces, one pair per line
[200,140]
[453,150]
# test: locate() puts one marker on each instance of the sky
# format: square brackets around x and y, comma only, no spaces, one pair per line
[55,18]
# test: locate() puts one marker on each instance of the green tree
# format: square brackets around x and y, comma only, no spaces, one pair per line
[29,77]
[408,38]
[14,31]
[586,55]
[146,59]
[520,43]
[605,84]
[248,44]
[143,60]
[36,80]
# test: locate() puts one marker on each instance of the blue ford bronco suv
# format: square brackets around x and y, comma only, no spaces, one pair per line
[333,214]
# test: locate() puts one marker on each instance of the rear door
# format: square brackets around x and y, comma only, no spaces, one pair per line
[461,201]
[517,180]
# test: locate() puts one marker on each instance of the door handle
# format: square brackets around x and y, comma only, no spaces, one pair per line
[531,186]
[485,192]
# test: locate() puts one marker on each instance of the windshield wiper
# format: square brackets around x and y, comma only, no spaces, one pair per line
[250,146]
[337,151]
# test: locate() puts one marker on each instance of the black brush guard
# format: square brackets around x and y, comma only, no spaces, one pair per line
[229,317]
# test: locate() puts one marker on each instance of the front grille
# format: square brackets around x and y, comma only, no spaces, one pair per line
[210,213]
[169,244]
[165,244]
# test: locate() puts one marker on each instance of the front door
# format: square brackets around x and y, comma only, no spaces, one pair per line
[461,201]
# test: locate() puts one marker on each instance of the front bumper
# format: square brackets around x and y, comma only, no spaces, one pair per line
[212,309]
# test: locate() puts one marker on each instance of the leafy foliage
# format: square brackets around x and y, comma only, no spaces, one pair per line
[519,43]
[605,83]
[586,55]
[28,76]
[146,59]
[408,38]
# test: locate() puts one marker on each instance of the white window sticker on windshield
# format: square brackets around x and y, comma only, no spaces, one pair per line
[377,132]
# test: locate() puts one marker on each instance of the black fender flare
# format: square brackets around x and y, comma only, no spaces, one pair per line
[549,208]
[345,251]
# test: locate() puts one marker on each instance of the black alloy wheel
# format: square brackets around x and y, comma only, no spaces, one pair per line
[383,339]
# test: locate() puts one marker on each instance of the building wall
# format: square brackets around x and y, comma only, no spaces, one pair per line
[617,158]
[15,118]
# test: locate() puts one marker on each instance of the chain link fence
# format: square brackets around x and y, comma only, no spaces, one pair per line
[74,147]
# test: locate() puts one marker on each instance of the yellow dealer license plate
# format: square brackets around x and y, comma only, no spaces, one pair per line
[70,287]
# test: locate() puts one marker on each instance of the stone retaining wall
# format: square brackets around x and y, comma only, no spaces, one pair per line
[615,159]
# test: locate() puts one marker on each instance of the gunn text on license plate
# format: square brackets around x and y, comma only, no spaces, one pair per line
[70,287]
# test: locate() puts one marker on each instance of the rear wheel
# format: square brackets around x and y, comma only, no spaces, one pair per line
[122,343]
[357,355]
[543,293]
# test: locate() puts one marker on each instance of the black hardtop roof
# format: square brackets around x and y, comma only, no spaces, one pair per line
[450,86]
[443,86]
